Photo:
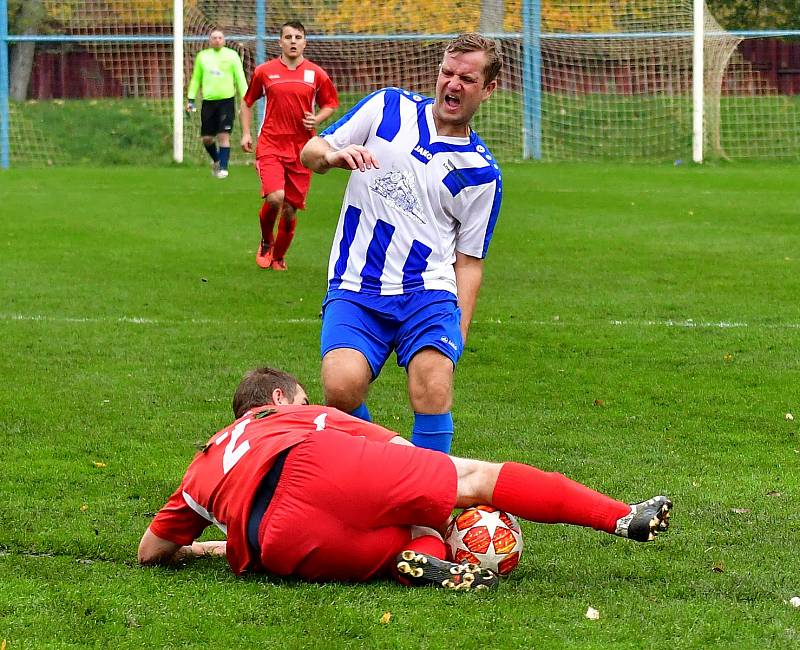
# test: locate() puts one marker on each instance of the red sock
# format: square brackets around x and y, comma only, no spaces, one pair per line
[267,216]
[551,498]
[284,239]
[428,544]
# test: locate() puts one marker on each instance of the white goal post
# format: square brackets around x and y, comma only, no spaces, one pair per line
[698,79]
[177,80]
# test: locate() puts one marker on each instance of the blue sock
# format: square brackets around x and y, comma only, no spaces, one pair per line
[362,412]
[433,431]
[224,156]
[212,151]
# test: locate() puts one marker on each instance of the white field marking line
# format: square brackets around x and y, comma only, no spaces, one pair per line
[555,322]
[137,320]
[687,323]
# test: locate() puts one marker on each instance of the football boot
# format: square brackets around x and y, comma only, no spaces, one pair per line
[645,520]
[264,255]
[423,569]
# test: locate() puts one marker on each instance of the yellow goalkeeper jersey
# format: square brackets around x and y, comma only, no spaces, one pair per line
[219,73]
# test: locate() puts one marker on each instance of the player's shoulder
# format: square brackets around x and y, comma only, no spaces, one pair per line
[393,94]
[308,63]
[230,52]
[270,64]
[480,148]
[268,67]
[410,95]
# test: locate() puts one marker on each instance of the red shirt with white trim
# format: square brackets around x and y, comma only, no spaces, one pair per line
[219,486]
[289,94]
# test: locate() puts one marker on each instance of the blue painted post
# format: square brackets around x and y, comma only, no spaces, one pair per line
[532,79]
[4,108]
[261,48]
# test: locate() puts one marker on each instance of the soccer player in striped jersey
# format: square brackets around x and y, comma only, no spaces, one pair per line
[416,221]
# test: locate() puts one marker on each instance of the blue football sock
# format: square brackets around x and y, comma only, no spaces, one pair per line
[362,412]
[224,156]
[212,151]
[433,431]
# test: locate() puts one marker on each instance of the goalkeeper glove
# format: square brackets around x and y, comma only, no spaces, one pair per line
[190,107]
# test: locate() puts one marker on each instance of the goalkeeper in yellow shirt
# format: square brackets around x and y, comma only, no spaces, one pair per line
[219,73]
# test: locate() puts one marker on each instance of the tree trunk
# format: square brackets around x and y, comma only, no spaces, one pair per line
[492,13]
[30,20]
[21,67]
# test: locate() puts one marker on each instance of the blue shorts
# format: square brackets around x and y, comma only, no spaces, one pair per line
[406,323]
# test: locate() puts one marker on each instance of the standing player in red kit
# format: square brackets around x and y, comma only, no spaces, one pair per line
[292,85]
[312,492]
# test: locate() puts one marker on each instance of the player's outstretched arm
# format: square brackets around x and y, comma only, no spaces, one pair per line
[155,551]
[319,156]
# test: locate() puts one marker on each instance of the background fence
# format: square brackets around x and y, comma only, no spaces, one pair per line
[582,80]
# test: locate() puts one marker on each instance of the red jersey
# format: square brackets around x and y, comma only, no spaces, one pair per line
[219,486]
[290,94]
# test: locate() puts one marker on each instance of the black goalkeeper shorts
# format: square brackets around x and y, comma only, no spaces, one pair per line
[216,116]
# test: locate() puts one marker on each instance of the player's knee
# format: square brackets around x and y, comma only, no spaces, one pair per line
[431,395]
[343,388]
[430,382]
[208,140]
[344,397]
[275,199]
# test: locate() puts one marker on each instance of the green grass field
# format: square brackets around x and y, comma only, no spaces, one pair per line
[637,330]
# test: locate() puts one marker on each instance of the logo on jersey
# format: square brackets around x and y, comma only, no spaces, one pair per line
[273,76]
[308,76]
[422,154]
[398,189]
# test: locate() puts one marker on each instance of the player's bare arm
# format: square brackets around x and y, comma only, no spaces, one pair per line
[400,440]
[312,121]
[153,550]
[469,274]
[319,157]
[246,117]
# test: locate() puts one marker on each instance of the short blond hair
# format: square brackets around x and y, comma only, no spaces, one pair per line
[474,42]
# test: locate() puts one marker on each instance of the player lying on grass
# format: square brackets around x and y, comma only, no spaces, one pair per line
[311,492]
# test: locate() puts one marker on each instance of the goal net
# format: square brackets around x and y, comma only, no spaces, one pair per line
[614,82]
[617,80]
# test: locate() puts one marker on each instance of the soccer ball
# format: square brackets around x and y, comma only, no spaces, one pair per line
[487,536]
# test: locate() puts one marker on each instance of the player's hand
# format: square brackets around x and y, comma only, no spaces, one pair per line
[353,156]
[247,143]
[309,120]
[212,549]
[190,107]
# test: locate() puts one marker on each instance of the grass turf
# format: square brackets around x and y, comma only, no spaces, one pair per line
[636,331]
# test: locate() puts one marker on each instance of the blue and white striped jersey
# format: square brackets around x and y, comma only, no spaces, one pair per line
[401,225]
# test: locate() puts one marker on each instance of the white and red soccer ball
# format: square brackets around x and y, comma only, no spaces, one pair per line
[487,536]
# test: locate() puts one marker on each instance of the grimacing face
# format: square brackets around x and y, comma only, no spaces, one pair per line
[292,43]
[460,89]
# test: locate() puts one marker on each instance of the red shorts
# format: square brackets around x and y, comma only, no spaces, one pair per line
[344,506]
[280,172]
